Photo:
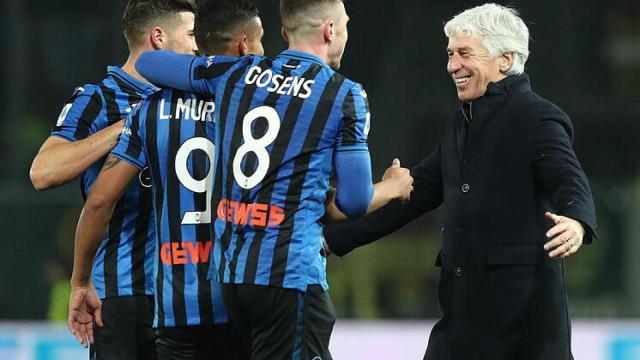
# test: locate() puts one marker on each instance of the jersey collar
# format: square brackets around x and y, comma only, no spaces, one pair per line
[305,56]
[140,86]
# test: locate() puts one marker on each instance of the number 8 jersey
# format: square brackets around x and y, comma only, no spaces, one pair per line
[279,124]
[172,133]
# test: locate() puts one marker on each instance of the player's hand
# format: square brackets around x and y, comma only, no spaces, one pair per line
[401,177]
[85,309]
[566,236]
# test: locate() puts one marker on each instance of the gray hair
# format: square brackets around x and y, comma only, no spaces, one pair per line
[500,29]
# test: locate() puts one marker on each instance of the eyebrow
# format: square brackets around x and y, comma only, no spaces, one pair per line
[464,48]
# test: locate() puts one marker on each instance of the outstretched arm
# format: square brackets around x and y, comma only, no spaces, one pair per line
[342,237]
[166,68]
[396,184]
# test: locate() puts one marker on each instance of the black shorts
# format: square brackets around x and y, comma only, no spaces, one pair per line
[219,342]
[281,324]
[127,333]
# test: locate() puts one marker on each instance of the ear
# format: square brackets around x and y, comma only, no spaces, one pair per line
[328,31]
[243,48]
[157,37]
[285,36]
[506,60]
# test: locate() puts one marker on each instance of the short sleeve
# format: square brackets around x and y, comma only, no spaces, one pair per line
[206,71]
[78,114]
[356,121]
[130,147]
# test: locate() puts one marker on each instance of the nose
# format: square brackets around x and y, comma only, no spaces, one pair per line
[453,65]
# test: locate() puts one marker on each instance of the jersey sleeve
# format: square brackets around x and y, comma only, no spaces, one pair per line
[206,71]
[130,146]
[188,73]
[354,129]
[78,114]
[354,189]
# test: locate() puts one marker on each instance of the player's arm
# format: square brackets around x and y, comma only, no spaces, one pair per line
[396,184]
[112,182]
[84,306]
[69,151]
[355,194]
[344,236]
[185,72]
[59,160]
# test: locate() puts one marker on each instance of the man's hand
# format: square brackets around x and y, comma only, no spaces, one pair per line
[85,309]
[401,180]
[566,236]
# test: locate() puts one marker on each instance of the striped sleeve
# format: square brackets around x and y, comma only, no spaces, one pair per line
[130,147]
[206,71]
[78,114]
[355,125]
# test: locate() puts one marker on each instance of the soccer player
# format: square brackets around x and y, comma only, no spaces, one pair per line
[282,126]
[172,133]
[86,130]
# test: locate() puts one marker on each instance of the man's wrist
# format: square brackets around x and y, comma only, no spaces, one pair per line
[80,282]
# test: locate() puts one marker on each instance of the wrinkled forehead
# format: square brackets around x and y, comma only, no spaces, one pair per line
[466,42]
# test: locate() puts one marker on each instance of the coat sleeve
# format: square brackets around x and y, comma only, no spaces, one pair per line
[342,237]
[560,174]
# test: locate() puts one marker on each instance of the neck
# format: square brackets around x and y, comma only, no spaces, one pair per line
[130,66]
[319,51]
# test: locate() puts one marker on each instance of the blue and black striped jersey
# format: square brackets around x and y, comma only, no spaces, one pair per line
[279,124]
[124,262]
[172,133]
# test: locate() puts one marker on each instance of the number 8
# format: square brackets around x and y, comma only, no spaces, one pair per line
[256,146]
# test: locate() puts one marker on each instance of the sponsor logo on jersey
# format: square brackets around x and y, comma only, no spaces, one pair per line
[262,215]
[176,253]
[210,61]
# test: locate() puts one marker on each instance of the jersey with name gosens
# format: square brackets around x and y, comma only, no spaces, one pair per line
[172,133]
[279,122]
[124,261]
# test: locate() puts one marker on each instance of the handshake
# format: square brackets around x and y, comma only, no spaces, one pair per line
[396,184]
[397,181]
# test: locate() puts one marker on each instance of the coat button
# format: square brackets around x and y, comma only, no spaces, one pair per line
[465,188]
[459,272]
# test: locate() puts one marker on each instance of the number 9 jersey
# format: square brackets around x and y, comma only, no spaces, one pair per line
[172,134]
[280,122]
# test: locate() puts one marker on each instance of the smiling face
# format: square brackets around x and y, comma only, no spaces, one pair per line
[472,67]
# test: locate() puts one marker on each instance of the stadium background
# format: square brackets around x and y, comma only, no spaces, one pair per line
[585,57]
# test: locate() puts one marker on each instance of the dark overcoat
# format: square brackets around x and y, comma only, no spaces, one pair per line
[501,296]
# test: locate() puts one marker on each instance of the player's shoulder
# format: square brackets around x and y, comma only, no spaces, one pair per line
[356,89]
[210,60]
[86,90]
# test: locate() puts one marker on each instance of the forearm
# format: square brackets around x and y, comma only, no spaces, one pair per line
[166,69]
[60,161]
[383,193]
[91,227]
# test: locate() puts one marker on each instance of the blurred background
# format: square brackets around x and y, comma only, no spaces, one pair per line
[585,57]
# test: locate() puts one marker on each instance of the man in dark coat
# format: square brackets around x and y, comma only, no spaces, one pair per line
[516,202]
